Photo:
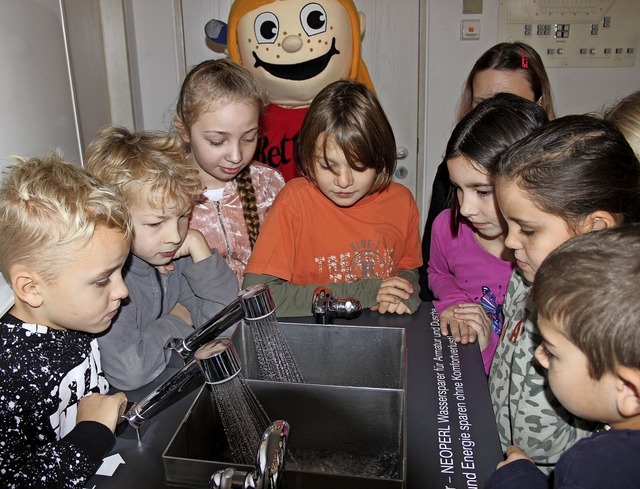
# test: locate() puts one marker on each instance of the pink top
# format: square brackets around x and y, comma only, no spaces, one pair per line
[222,222]
[460,270]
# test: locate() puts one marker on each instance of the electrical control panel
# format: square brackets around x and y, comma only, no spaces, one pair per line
[574,33]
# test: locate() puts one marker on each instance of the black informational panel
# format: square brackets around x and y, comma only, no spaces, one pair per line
[462,441]
[452,436]
[452,441]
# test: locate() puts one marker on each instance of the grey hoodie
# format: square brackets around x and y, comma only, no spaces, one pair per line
[132,349]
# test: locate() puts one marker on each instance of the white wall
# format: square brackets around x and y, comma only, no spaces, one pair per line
[35,88]
[52,81]
[574,90]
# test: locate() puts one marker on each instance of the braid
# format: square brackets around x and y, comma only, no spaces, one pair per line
[249,206]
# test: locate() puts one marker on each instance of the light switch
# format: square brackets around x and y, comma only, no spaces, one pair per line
[470,30]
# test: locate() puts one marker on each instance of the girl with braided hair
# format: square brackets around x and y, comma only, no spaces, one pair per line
[217,117]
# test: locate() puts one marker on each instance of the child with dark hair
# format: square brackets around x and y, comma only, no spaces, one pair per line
[586,295]
[574,175]
[345,224]
[507,67]
[470,265]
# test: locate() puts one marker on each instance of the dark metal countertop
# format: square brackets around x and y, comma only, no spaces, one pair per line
[451,432]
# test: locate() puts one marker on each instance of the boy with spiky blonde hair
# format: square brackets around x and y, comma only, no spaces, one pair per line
[64,238]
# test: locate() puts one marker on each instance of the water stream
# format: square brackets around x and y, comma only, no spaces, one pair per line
[243,418]
[275,360]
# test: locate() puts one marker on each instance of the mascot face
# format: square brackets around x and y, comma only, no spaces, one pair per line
[296,48]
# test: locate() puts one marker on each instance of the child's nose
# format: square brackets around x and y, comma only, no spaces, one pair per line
[173,234]
[345,178]
[510,240]
[235,154]
[467,206]
[120,290]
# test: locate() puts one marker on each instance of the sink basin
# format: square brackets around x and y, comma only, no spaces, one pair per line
[348,420]
[357,356]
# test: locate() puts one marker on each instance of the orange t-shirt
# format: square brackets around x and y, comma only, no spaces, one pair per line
[307,239]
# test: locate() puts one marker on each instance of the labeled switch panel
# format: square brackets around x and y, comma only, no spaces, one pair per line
[574,33]
[469,30]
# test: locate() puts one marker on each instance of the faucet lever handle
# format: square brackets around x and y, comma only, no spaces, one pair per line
[269,471]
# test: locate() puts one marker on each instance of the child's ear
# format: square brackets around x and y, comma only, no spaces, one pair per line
[182,129]
[597,221]
[24,283]
[628,391]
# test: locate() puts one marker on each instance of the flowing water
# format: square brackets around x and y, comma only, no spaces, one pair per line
[243,418]
[275,361]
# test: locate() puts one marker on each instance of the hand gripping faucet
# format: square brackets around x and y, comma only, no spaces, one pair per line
[325,308]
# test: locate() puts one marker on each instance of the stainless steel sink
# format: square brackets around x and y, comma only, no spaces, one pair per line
[348,420]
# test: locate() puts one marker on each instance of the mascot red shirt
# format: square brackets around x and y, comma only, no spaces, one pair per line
[295,48]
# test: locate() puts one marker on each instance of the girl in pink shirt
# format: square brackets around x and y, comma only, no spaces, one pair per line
[469,265]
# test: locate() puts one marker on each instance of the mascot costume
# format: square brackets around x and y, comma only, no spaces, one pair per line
[295,48]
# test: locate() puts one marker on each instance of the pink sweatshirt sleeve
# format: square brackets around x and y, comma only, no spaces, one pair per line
[441,280]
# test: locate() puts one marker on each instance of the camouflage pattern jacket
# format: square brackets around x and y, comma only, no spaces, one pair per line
[528,415]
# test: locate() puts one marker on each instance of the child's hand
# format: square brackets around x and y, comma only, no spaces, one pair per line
[391,294]
[473,317]
[194,245]
[461,332]
[104,409]
[391,307]
[514,453]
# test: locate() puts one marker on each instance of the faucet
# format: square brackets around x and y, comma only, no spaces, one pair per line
[252,302]
[269,470]
[325,308]
[214,361]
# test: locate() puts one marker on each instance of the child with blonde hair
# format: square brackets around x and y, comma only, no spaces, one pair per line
[64,238]
[169,263]
[345,224]
[625,115]
[217,117]
[588,315]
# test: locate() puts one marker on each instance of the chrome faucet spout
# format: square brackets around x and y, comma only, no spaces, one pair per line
[162,396]
[326,308]
[251,302]
[214,362]
[269,470]
[210,330]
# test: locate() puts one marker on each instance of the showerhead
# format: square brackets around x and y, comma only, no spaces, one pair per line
[218,361]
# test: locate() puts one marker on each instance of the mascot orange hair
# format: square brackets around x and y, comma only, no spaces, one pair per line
[295,48]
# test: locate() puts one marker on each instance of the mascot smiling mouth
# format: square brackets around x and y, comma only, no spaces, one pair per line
[300,71]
